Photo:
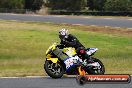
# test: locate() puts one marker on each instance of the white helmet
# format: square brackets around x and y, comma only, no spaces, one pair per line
[63,32]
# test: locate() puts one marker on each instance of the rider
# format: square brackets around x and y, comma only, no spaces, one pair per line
[68,40]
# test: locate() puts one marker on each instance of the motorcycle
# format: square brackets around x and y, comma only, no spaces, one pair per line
[66,61]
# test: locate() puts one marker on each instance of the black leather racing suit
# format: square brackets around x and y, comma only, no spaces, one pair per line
[72,41]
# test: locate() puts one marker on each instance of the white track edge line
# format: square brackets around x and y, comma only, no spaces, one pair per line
[33,77]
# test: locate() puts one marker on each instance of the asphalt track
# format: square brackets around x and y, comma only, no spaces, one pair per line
[107,21]
[47,82]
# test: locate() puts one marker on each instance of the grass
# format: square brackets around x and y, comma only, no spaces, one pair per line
[23,46]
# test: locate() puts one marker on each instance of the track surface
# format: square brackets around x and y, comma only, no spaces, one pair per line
[114,22]
[47,82]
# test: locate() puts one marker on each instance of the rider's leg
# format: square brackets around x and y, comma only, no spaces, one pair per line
[84,56]
[82,52]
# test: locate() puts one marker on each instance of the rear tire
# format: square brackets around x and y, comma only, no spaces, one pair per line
[100,71]
[54,70]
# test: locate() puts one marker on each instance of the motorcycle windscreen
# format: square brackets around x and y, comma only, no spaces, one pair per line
[71,62]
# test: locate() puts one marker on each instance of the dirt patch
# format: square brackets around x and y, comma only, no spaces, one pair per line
[107,30]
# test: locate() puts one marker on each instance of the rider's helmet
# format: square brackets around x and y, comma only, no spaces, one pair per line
[63,33]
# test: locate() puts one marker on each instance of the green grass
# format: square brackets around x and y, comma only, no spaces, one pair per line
[23,46]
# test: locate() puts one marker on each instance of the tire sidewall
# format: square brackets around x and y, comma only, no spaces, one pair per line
[89,71]
[50,73]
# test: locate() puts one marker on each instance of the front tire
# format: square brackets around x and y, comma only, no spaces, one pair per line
[99,71]
[54,70]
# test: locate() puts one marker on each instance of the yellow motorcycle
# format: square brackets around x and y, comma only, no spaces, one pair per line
[66,61]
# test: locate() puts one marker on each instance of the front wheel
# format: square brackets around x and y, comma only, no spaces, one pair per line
[54,70]
[100,70]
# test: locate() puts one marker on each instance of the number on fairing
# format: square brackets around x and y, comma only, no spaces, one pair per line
[69,63]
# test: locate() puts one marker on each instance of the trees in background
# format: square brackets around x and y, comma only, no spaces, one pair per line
[33,4]
[93,5]
[56,4]
[76,5]
[97,5]
[110,5]
[12,4]
[118,5]
[22,4]
[69,5]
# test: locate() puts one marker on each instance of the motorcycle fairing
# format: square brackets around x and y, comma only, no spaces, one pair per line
[70,62]
[90,51]
[95,64]
[51,48]
[54,60]
[70,51]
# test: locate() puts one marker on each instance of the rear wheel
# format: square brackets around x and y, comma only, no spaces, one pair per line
[54,70]
[100,70]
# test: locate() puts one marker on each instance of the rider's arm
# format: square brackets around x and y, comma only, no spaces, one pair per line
[61,46]
[72,42]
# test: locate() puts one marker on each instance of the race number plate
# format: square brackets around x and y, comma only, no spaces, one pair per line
[69,62]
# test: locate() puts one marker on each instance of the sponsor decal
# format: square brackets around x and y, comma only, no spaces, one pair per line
[114,78]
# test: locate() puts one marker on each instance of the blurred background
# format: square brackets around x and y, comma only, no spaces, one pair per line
[68,7]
